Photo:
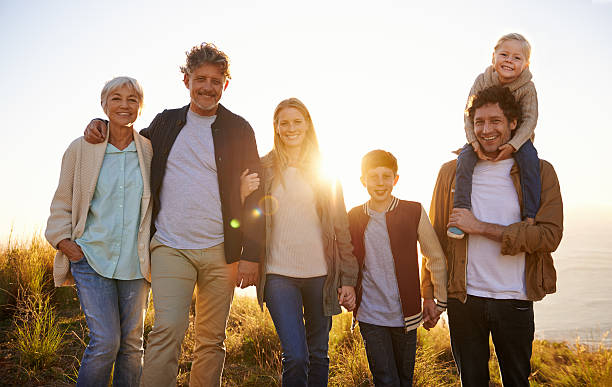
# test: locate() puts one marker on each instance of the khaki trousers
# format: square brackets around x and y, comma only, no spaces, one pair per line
[174,274]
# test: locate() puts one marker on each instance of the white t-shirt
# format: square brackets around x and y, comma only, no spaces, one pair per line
[494,200]
[190,215]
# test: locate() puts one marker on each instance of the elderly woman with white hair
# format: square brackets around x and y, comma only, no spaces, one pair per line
[100,223]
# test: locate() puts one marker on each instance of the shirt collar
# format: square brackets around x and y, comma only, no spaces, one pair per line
[110,148]
[391,207]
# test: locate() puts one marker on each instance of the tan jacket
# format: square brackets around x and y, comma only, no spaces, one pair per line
[523,91]
[81,165]
[537,241]
[341,263]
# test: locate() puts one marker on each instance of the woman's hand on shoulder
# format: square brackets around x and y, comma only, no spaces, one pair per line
[248,184]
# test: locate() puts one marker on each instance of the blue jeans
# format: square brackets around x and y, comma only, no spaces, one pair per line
[114,311]
[296,307]
[529,170]
[510,323]
[391,354]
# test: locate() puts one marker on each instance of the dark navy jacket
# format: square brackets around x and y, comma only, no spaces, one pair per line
[235,151]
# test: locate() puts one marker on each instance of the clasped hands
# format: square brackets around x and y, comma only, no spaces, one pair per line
[431,314]
[346,297]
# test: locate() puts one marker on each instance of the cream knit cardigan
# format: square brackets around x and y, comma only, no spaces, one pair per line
[81,165]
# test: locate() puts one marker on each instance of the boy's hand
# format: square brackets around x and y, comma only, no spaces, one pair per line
[95,132]
[346,297]
[431,314]
[248,184]
[505,152]
[479,152]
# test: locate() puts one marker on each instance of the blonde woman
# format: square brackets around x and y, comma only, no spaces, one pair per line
[309,268]
[100,223]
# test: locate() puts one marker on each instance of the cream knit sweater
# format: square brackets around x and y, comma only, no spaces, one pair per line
[297,238]
[523,90]
[70,205]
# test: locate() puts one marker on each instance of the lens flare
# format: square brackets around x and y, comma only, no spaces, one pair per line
[268,205]
[234,223]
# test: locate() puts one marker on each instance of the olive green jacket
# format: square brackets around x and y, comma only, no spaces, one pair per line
[538,241]
[341,263]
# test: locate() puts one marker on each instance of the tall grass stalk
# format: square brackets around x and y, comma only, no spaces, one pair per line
[25,280]
[24,265]
[34,348]
[37,336]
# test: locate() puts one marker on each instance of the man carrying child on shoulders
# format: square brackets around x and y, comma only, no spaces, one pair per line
[504,263]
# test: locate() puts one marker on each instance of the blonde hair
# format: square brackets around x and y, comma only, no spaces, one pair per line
[118,82]
[518,37]
[309,152]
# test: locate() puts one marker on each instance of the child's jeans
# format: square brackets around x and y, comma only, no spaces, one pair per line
[391,354]
[529,170]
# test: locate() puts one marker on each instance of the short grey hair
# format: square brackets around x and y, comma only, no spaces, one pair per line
[118,82]
[518,37]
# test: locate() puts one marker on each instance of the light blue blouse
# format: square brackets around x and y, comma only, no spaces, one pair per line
[110,239]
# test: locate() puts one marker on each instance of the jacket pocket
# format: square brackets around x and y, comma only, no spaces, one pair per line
[549,274]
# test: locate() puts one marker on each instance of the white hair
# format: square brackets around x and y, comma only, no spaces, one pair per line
[118,82]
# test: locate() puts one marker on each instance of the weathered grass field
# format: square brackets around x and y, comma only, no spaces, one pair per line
[43,335]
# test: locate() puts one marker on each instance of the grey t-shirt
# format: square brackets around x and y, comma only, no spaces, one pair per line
[380,300]
[190,215]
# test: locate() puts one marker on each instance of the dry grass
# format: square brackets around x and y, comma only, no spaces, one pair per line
[43,335]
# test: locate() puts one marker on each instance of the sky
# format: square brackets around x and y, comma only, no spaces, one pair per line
[392,75]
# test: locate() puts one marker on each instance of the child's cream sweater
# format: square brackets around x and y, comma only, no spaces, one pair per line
[524,91]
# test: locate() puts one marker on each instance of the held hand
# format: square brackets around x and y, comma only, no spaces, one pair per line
[70,250]
[431,314]
[248,274]
[95,132]
[248,184]
[505,152]
[479,152]
[346,297]
[464,220]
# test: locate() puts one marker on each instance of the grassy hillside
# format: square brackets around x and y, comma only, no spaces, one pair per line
[43,335]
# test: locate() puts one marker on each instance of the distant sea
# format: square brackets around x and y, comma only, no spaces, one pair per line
[582,306]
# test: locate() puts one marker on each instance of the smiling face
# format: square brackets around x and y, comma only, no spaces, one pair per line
[206,85]
[291,127]
[122,106]
[492,128]
[379,182]
[509,61]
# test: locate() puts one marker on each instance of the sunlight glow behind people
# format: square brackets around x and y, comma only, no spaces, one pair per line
[391,76]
